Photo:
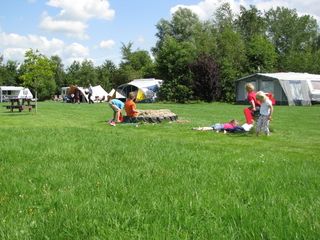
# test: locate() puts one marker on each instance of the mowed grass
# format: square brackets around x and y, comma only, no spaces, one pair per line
[66,174]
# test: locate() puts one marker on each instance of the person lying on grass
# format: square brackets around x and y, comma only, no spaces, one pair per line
[220,127]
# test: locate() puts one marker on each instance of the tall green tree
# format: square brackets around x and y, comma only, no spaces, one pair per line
[231,60]
[38,74]
[59,73]
[224,17]
[290,33]
[105,74]
[231,56]
[261,55]
[2,70]
[182,27]
[9,73]
[88,74]
[300,61]
[73,74]
[316,62]
[172,63]
[135,64]
[260,52]
[250,23]
[179,42]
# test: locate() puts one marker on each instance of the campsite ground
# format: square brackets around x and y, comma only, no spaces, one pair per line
[65,174]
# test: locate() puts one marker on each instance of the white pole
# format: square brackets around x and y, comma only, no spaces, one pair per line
[36,101]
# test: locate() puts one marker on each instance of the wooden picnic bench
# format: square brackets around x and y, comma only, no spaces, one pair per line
[20,104]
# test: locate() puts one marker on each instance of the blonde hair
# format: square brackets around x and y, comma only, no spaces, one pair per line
[234,122]
[249,87]
[109,98]
[132,95]
[261,95]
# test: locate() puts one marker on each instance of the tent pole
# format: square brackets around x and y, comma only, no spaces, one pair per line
[36,102]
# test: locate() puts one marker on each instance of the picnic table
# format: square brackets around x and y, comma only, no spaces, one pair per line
[20,104]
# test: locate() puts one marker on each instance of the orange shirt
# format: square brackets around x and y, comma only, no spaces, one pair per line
[130,108]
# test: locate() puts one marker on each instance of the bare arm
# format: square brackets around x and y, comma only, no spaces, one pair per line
[253,105]
[271,112]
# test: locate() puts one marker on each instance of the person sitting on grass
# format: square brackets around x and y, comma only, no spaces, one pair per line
[130,106]
[266,111]
[219,127]
[116,106]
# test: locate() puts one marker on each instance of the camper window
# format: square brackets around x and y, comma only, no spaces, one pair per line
[315,85]
[267,86]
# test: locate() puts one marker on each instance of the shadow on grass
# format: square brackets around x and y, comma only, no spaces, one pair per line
[240,135]
[17,113]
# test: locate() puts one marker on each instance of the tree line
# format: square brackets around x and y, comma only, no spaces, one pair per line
[198,60]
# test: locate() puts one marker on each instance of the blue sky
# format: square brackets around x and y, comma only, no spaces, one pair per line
[95,29]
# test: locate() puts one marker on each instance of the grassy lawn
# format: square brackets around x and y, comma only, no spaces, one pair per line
[66,174]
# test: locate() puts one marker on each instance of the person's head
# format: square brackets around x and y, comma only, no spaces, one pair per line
[249,87]
[109,98]
[132,96]
[234,122]
[261,96]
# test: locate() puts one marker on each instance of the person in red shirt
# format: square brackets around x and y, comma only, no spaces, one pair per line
[130,106]
[254,104]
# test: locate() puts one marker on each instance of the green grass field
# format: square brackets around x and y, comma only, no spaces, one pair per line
[66,174]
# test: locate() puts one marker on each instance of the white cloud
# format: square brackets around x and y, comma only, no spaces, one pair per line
[14,47]
[76,50]
[83,10]
[74,15]
[14,53]
[107,44]
[140,40]
[68,27]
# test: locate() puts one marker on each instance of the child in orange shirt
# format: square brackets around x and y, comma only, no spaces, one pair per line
[130,106]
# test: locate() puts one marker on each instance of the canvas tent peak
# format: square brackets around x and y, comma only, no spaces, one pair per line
[115,94]
[25,94]
[98,94]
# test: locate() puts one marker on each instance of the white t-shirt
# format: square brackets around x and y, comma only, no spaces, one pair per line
[265,107]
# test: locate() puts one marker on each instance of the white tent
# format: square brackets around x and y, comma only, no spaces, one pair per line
[287,87]
[99,94]
[25,94]
[116,94]
[146,89]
